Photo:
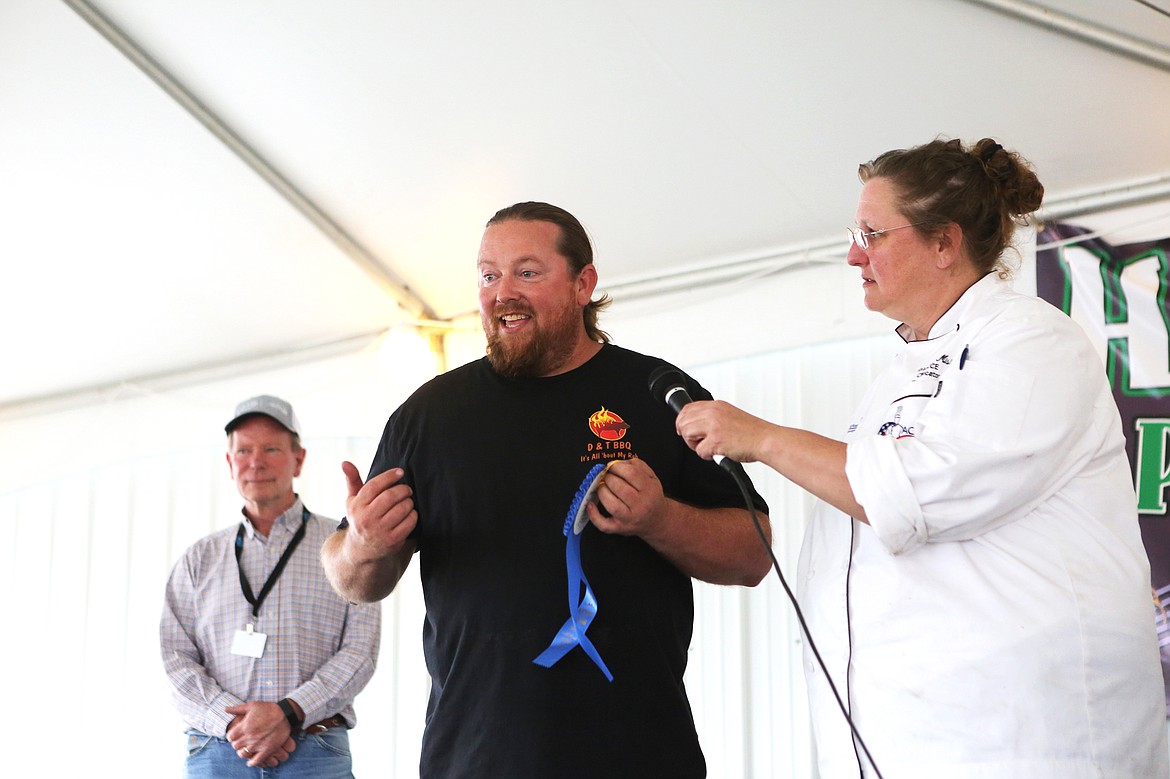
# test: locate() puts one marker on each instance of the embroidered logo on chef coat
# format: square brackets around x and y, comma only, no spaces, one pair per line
[926,384]
[933,370]
[895,427]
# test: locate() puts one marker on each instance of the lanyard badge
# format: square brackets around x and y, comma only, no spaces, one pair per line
[248,642]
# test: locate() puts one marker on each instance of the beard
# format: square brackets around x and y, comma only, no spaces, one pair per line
[541,352]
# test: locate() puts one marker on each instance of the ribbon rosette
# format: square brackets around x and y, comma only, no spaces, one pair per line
[582,601]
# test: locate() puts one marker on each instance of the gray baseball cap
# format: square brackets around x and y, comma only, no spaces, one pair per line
[269,406]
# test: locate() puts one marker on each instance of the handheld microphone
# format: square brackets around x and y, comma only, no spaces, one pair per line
[667,384]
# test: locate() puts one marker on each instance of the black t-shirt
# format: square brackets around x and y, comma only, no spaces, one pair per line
[495,464]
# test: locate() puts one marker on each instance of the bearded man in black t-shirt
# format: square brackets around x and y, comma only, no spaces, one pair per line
[476,472]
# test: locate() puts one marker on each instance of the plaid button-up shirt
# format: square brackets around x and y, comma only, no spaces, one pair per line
[320,650]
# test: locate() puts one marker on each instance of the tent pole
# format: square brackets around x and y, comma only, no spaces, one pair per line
[833,251]
[403,295]
[1071,26]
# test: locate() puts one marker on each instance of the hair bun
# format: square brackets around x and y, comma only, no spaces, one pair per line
[989,152]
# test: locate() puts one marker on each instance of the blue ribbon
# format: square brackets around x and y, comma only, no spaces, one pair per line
[582,605]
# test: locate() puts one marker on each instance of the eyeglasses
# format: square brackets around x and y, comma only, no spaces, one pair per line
[862,238]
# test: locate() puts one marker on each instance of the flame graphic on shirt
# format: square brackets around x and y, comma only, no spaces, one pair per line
[607,425]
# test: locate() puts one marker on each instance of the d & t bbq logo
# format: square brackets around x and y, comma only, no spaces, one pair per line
[607,425]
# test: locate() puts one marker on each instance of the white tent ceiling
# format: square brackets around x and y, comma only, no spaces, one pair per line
[359,145]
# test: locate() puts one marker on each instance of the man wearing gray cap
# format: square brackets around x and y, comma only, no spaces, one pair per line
[265,659]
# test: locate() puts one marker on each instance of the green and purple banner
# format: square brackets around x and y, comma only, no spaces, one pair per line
[1119,295]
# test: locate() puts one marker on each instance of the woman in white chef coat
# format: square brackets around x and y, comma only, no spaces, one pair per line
[973,575]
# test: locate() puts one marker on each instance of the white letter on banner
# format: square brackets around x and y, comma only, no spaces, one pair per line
[1139,322]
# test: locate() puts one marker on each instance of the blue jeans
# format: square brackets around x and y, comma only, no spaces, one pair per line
[317,756]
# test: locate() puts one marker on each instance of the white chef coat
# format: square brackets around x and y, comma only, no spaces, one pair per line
[999,600]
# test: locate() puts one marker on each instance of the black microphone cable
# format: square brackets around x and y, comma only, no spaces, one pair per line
[666,383]
[737,472]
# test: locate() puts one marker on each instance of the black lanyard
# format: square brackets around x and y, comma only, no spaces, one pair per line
[279,569]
